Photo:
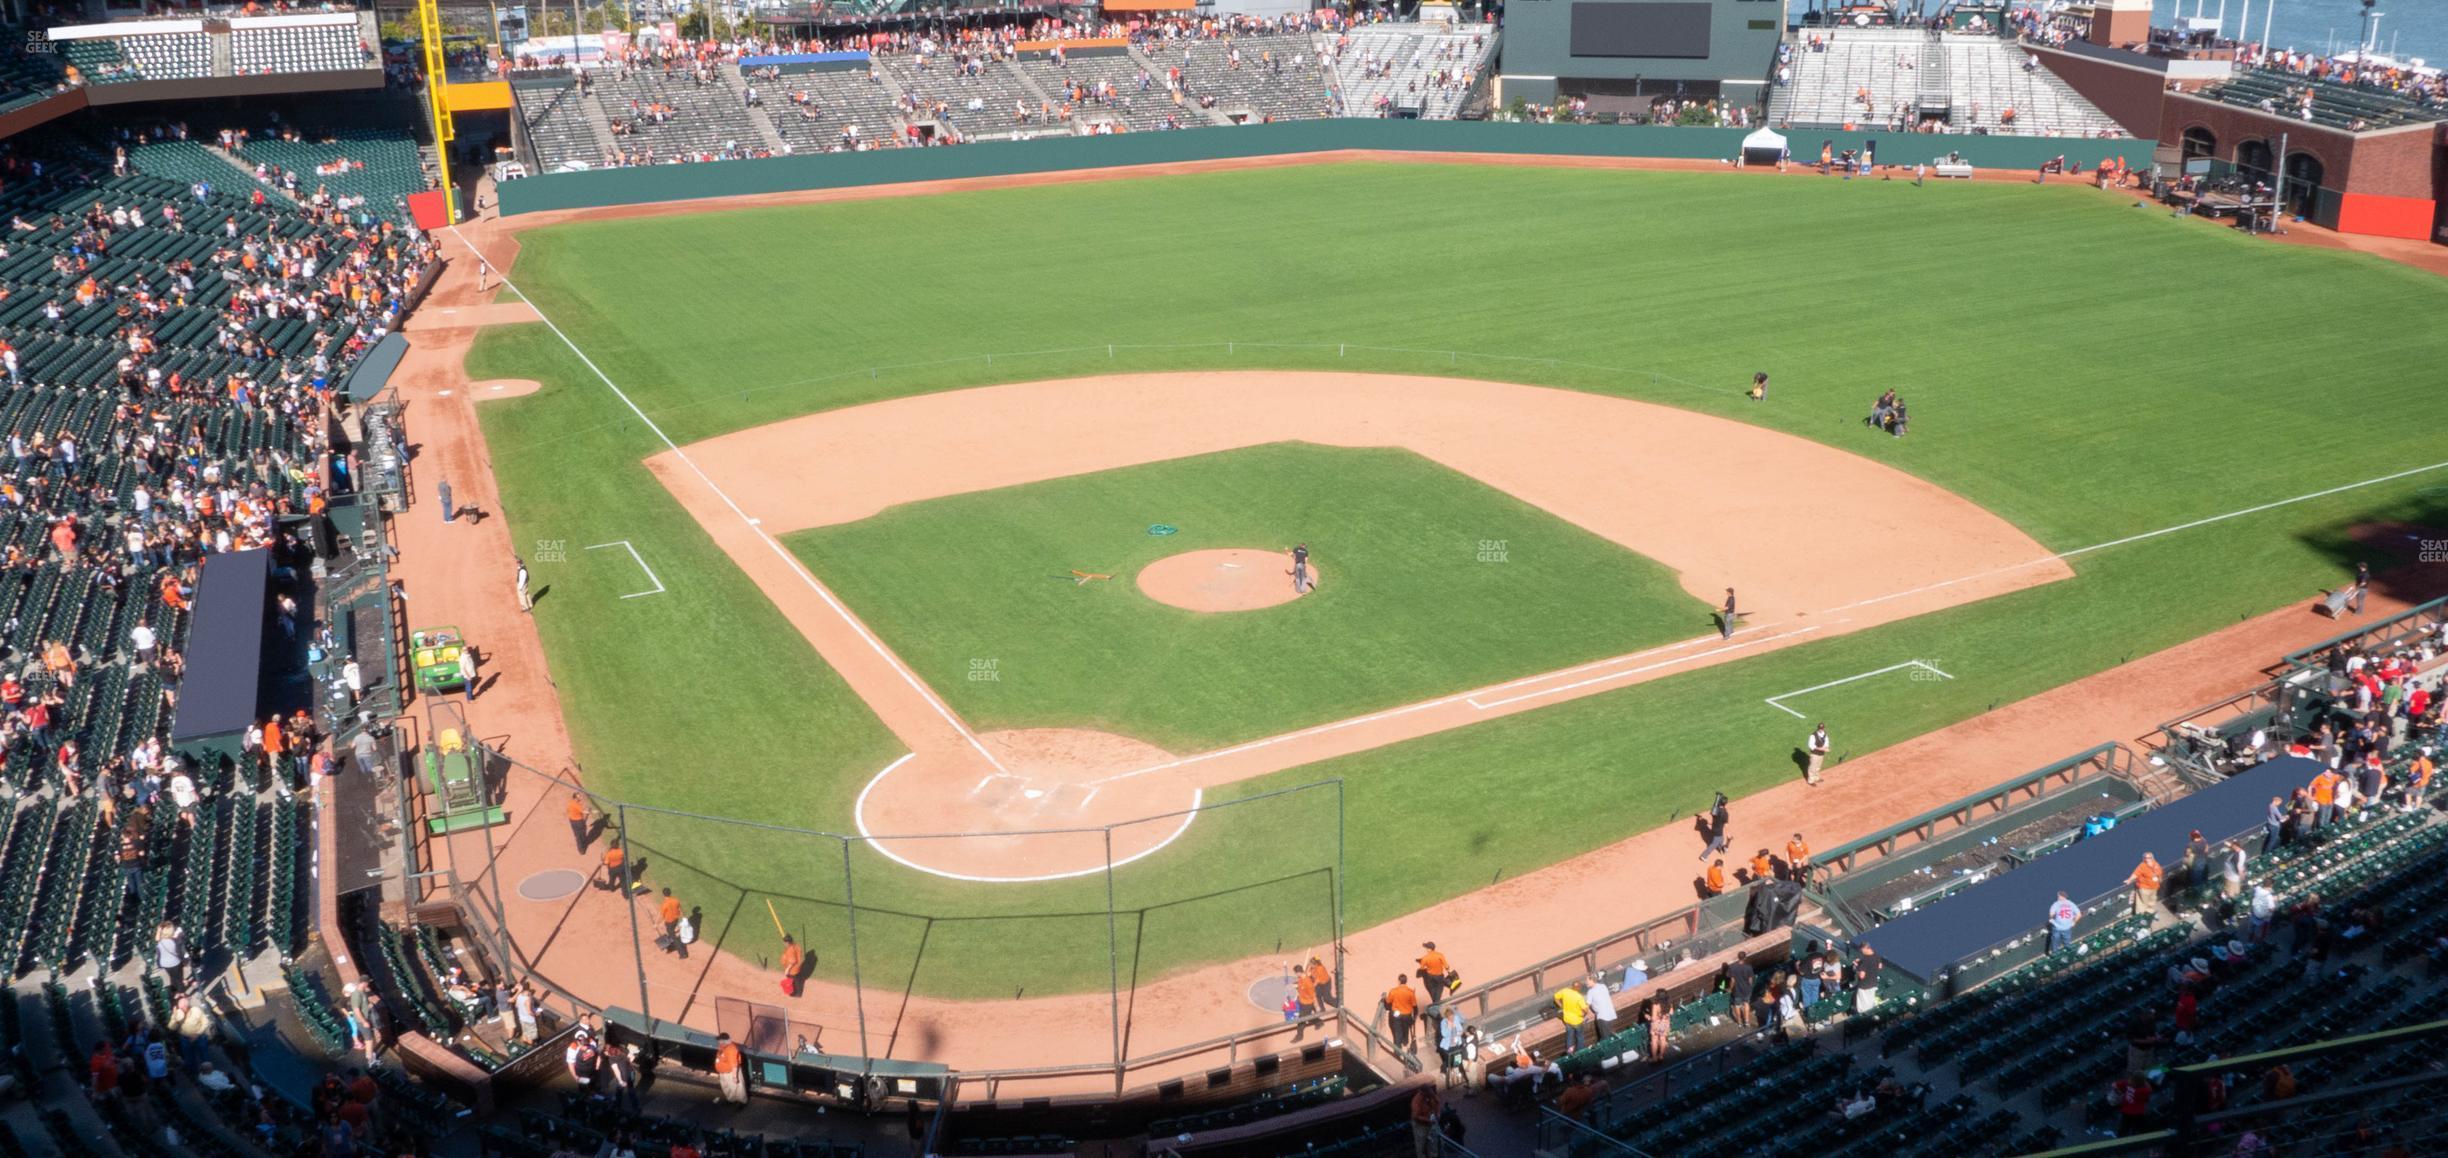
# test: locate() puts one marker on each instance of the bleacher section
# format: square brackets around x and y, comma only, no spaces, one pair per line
[1407,60]
[139,56]
[1278,77]
[558,125]
[26,78]
[837,98]
[704,117]
[993,90]
[1137,110]
[381,167]
[1982,77]
[2333,105]
[255,51]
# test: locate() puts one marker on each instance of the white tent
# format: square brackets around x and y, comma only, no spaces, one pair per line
[1763,147]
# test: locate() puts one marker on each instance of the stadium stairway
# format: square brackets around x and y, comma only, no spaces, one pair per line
[756,113]
[1982,76]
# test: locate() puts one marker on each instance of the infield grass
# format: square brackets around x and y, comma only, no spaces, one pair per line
[2087,370]
[1435,583]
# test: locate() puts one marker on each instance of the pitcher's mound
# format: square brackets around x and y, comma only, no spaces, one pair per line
[1230,580]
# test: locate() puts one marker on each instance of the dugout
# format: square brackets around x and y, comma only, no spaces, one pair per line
[1635,50]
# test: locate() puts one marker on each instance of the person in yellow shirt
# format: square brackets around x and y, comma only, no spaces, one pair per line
[1574,1009]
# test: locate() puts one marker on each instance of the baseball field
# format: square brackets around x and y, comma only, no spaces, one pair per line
[893,469]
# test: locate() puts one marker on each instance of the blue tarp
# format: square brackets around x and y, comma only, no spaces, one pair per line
[1923,942]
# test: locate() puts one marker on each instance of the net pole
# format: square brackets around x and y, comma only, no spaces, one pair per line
[858,988]
[637,950]
[1113,960]
[1342,987]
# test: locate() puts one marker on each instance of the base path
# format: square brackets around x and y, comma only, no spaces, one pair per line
[1720,502]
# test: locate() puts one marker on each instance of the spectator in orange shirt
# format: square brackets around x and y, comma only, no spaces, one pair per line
[2324,798]
[2145,880]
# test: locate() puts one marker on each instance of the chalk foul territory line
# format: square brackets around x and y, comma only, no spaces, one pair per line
[1772,701]
[641,562]
[755,527]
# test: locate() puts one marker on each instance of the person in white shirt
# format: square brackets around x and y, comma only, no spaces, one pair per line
[142,636]
[1816,749]
[2264,907]
[1601,1007]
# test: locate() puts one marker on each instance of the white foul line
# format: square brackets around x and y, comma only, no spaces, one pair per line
[1468,697]
[641,562]
[805,576]
[1772,700]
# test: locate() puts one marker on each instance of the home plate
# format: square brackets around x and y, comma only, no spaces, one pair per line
[1068,798]
[995,788]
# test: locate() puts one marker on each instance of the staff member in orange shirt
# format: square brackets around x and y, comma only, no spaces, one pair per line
[731,1070]
[613,858]
[1323,978]
[1763,866]
[792,959]
[2145,881]
[670,913]
[1401,1004]
[578,821]
[1435,974]
[1716,877]
[1797,858]
[1304,994]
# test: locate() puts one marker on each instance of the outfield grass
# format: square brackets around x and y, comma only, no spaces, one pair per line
[2047,380]
[1409,609]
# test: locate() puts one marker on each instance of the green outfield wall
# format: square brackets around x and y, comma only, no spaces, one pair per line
[637,186]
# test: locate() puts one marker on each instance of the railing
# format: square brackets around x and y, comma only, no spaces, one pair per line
[2103,760]
[2414,621]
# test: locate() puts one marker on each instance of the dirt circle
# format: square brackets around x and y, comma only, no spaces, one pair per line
[1038,812]
[1237,579]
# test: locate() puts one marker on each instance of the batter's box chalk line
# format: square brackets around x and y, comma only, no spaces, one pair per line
[1776,700]
[641,562]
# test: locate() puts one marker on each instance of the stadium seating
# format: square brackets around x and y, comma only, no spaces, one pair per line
[2332,105]
[1982,76]
[26,78]
[836,99]
[255,51]
[381,167]
[939,81]
[706,117]
[1410,56]
[1138,109]
[1266,85]
[558,124]
[141,56]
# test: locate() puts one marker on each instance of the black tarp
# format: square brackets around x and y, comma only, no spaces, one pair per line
[373,371]
[1923,942]
[225,645]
